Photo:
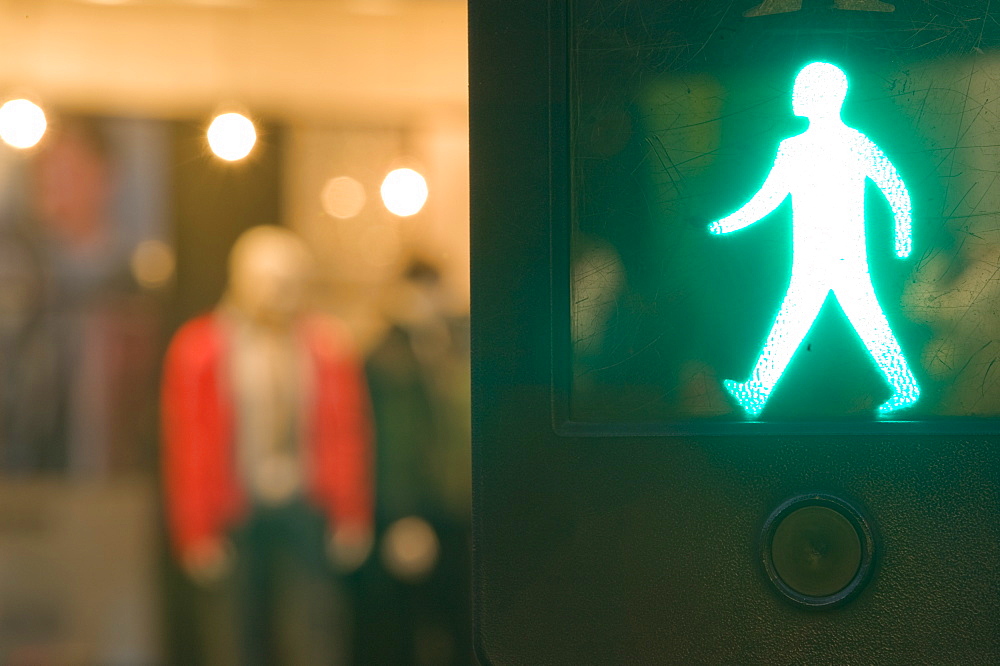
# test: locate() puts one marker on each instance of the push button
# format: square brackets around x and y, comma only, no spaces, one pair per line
[818,550]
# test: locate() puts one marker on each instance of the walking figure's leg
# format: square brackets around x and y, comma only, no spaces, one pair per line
[796,315]
[861,306]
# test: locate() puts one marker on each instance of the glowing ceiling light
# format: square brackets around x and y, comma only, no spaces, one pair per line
[152,263]
[231,136]
[404,192]
[410,548]
[828,238]
[22,123]
[343,197]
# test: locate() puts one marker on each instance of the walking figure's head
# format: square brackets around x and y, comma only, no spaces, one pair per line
[819,92]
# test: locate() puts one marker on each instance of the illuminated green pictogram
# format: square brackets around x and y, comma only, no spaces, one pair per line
[824,169]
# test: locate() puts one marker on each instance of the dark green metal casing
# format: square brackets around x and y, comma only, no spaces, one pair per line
[611,526]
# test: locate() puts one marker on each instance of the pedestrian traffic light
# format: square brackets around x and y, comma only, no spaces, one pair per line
[824,170]
[736,396]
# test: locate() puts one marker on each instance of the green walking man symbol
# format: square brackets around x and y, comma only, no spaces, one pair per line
[824,169]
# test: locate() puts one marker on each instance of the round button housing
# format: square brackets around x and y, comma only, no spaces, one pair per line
[818,550]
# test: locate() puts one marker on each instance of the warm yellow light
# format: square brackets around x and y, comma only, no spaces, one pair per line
[22,123]
[404,192]
[343,197]
[153,263]
[231,136]
[410,548]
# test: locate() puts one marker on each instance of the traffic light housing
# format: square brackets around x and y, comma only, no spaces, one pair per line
[626,507]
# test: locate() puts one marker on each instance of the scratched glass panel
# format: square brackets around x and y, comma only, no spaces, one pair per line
[740,254]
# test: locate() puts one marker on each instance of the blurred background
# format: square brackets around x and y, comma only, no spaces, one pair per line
[117,217]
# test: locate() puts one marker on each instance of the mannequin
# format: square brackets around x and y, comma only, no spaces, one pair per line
[267,447]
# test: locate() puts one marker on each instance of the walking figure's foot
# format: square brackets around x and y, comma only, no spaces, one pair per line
[749,396]
[774,7]
[899,400]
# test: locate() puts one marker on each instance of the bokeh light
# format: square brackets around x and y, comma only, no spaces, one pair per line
[343,197]
[231,136]
[410,548]
[404,192]
[22,123]
[152,264]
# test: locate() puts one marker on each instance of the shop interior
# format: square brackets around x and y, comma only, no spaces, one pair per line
[327,142]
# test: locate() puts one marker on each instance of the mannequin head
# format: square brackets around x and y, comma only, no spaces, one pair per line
[819,92]
[269,272]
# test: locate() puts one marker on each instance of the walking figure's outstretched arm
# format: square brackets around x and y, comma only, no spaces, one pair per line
[771,193]
[884,174]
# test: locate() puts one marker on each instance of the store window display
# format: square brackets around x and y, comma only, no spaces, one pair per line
[413,608]
[80,342]
[267,455]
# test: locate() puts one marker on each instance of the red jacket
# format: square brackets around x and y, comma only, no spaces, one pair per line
[204,496]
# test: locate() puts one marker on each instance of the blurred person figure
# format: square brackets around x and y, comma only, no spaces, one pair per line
[417,591]
[267,451]
[104,328]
